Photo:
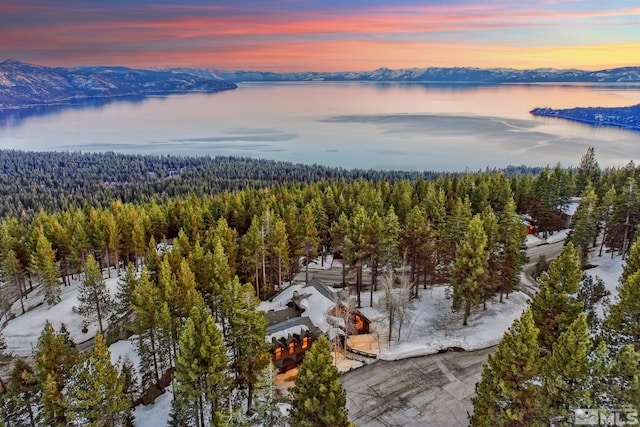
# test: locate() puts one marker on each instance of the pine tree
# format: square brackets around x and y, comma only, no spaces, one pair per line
[318,397]
[389,240]
[247,330]
[125,293]
[201,367]
[267,412]
[13,272]
[625,375]
[96,391]
[508,393]
[278,248]
[23,388]
[146,307]
[469,269]
[512,236]
[565,373]
[112,236]
[43,264]
[555,307]
[310,239]
[622,324]
[632,264]
[585,223]
[94,297]
[588,171]
[55,356]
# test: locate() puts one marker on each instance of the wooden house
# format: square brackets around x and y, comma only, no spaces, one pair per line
[290,341]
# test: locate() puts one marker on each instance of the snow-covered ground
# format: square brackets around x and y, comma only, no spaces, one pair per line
[21,333]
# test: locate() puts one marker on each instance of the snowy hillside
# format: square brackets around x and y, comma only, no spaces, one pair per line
[26,85]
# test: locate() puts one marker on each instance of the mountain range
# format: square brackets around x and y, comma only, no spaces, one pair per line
[442,75]
[26,85]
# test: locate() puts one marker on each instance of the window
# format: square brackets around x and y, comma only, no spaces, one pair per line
[305,343]
[278,352]
[292,347]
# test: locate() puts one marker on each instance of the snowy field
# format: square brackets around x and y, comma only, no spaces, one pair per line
[21,333]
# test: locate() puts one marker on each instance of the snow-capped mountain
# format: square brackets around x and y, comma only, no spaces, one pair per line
[443,75]
[23,85]
[26,85]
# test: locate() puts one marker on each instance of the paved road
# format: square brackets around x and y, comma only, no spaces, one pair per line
[423,391]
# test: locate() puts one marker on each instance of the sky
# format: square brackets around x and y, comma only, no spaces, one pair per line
[323,35]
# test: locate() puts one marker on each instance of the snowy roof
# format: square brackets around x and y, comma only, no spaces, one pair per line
[296,325]
[316,299]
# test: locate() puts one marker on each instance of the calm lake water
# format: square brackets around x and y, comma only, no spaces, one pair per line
[363,125]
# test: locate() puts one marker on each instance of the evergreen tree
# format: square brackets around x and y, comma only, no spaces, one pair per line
[632,264]
[146,307]
[585,223]
[318,397]
[625,375]
[279,248]
[512,236]
[389,240]
[23,389]
[565,373]
[310,240]
[555,307]
[94,297]
[54,359]
[622,324]
[43,264]
[125,294]
[247,329]
[201,368]
[12,271]
[508,393]
[588,171]
[469,269]
[267,412]
[96,391]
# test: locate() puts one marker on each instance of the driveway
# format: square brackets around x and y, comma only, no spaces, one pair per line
[433,390]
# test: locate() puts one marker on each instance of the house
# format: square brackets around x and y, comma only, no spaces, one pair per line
[298,315]
[290,340]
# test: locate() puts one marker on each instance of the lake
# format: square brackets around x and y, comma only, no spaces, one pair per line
[408,126]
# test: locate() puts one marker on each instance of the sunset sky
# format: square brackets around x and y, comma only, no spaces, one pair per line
[328,35]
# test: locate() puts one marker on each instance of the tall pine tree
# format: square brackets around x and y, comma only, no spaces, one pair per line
[318,397]
[94,297]
[508,392]
[96,391]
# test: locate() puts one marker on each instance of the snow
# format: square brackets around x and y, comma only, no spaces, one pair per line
[156,414]
[558,236]
[22,333]
[432,326]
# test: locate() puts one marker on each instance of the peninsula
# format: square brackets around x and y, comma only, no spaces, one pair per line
[620,117]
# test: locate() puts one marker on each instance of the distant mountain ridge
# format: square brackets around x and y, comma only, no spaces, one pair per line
[25,85]
[444,75]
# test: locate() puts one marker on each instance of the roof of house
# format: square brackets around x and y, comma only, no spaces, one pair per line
[278,316]
[314,301]
[295,325]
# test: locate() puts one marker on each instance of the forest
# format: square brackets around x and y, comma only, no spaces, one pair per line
[233,231]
